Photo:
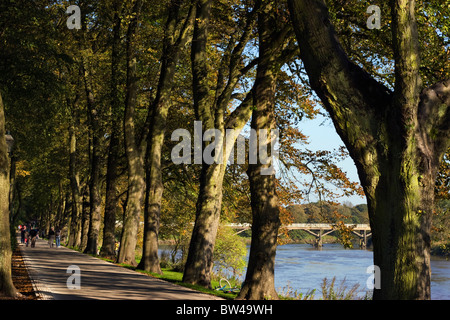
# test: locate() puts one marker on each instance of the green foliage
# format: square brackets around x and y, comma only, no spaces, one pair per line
[329,213]
[440,234]
[230,252]
[43,90]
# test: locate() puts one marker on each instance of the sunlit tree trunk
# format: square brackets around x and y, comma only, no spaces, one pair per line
[112,199]
[6,284]
[212,114]
[135,161]
[259,281]
[154,191]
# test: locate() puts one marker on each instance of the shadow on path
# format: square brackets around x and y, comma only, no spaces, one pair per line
[99,280]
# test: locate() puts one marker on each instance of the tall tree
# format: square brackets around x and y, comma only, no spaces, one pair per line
[94,182]
[259,281]
[176,35]
[88,46]
[74,176]
[7,287]
[112,198]
[211,110]
[396,138]
[133,150]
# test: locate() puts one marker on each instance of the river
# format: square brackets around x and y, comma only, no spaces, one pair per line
[301,267]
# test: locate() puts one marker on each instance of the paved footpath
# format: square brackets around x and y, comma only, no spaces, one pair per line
[48,269]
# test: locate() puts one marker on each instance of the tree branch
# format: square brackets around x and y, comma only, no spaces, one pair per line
[434,116]
[406,56]
[352,97]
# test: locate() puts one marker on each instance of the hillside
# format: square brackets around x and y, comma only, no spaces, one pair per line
[325,213]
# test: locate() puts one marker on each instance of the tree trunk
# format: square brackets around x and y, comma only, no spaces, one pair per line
[199,261]
[6,285]
[94,183]
[401,212]
[85,219]
[136,185]
[397,140]
[198,265]
[154,191]
[259,281]
[112,200]
[209,203]
[75,219]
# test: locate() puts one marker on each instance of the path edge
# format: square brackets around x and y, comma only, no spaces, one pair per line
[40,289]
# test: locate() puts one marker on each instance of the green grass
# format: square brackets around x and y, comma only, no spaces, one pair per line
[177,278]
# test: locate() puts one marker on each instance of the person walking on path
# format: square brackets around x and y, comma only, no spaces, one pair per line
[27,237]
[58,237]
[51,237]
[23,231]
[32,235]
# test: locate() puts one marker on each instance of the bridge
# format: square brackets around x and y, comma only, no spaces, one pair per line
[318,230]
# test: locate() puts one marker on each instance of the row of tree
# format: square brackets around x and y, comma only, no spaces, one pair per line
[327,213]
[90,108]
[91,111]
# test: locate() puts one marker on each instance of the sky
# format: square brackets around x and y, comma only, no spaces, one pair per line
[322,136]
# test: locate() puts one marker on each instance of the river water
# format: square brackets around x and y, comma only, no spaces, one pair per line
[301,267]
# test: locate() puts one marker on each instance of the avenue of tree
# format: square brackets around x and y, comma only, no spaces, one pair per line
[92,111]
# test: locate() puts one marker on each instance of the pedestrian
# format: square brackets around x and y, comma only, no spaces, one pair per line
[22,234]
[58,237]
[27,237]
[116,247]
[51,237]
[33,235]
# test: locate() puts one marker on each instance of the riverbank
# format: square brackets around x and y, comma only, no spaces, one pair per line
[301,268]
[441,250]
[437,250]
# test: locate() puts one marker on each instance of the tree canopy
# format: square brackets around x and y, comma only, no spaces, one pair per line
[92,111]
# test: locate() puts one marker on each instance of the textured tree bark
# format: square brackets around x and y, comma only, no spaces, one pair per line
[211,112]
[85,217]
[136,184]
[112,199]
[75,218]
[259,281]
[397,139]
[154,191]
[94,183]
[6,284]
[199,262]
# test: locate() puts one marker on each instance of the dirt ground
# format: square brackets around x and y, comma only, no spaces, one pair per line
[21,279]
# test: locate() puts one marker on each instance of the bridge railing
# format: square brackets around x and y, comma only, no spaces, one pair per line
[325,226]
[309,226]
